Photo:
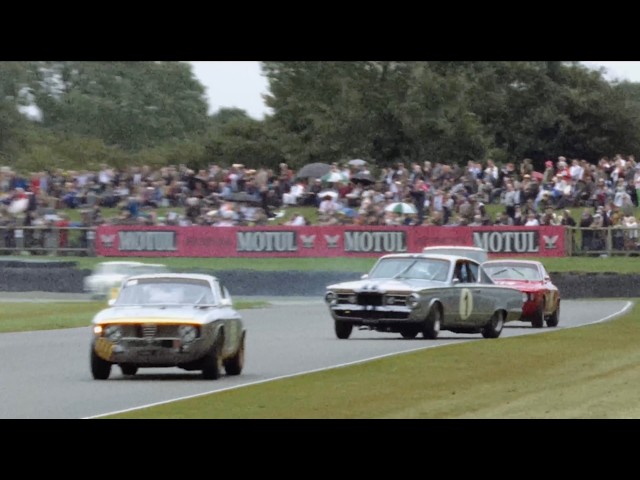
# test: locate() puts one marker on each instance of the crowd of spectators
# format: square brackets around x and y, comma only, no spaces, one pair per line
[437,193]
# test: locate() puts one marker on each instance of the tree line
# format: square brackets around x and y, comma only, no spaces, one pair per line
[156,113]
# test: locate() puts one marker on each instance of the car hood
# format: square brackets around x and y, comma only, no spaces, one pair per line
[186,314]
[522,285]
[385,285]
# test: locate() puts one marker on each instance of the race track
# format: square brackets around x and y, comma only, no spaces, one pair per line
[45,374]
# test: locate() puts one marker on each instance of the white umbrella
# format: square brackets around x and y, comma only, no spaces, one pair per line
[331,193]
[357,162]
[401,208]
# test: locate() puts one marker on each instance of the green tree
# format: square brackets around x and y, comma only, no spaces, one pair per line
[130,104]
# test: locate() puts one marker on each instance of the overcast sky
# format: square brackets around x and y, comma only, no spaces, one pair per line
[233,85]
[241,84]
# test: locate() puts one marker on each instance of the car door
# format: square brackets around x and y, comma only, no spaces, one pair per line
[468,292]
[551,292]
[481,298]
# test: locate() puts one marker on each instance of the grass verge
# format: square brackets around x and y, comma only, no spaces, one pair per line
[590,372]
[23,316]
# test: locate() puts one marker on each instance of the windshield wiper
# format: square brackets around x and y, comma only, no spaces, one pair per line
[405,270]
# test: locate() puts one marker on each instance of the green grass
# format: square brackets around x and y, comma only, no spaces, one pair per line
[590,372]
[622,265]
[23,316]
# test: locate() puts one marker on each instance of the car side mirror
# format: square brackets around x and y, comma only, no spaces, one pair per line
[226,302]
[547,278]
[364,275]
[111,302]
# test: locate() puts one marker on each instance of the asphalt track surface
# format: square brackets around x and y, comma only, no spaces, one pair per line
[45,374]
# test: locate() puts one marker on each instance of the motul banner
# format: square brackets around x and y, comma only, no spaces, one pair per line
[316,241]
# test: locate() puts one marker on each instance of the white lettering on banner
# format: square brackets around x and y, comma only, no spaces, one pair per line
[375,242]
[267,242]
[147,241]
[507,242]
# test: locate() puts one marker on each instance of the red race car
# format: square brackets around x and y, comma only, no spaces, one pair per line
[530,277]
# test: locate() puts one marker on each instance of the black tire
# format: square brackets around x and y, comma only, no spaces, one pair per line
[493,328]
[235,364]
[128,369]
[409,332]
[538,320]
[554,318]
[432,324]
[343,329]
[100,369]
[212,363]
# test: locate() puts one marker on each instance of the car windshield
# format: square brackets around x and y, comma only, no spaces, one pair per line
[165,292]
[507,271]
[418,268]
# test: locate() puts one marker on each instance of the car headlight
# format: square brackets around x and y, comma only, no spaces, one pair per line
[113,332]
[330,297]
[413,300]
[188,333]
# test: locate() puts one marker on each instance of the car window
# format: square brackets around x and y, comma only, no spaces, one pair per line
[418,268]
[513,271]
[153,292]
[473,272]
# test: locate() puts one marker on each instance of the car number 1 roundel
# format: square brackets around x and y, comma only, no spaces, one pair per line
[466,303]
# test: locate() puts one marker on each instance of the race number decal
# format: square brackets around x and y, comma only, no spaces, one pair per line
[466,303]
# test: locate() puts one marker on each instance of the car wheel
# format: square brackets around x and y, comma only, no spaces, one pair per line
[128,369]
[538,320]
[235,364]
[411,332]
[212,363]
[493,329]
[554,318]
[343,329]
[100,369]
[431,327]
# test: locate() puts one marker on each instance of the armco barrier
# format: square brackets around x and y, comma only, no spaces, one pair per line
[295,283]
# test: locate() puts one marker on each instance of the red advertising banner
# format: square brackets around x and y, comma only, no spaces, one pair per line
[316,241]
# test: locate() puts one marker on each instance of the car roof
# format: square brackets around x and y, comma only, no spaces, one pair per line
[182,276]
[513,260]
[439,256]
[122,263]
[453,247]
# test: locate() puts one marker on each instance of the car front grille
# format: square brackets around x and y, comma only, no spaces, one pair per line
[374,299]
[149,330]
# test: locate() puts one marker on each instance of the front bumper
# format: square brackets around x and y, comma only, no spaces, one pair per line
[373,315]
[152,352]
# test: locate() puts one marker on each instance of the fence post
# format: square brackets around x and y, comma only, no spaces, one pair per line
[18,234]
[91,242]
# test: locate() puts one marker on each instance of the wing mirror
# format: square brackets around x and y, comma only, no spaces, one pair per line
[456,281]
[226,302]
[111,302]
[364,276]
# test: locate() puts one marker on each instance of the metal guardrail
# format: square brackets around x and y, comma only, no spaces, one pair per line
[609,241]
[45,240]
